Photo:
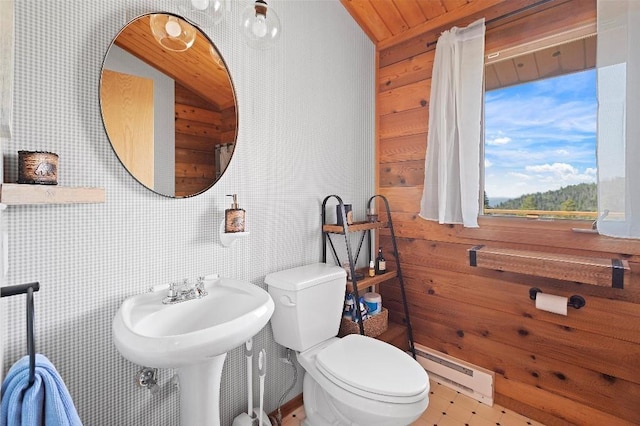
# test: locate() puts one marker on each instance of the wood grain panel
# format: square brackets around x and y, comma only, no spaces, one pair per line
[405,98]
[407,173]
[410,11]
[604,354]
[195,170]
[403,148]
[390,15]
[411,70]
[564,408]
[578,369]
[192,113]
[127,105]
[404,123]
[619,319]
[370,22]
[579,385]
[196,143]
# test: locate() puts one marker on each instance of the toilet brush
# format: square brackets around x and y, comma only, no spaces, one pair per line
[248,353]
[262,370]
[246,419]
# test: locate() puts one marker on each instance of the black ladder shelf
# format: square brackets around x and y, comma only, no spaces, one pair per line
[366,228]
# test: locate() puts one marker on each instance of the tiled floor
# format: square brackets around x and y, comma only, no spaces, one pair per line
[450,408]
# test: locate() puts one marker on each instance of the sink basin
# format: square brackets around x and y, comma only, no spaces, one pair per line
[150,333]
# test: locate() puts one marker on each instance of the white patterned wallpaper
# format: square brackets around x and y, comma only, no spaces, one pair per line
[306,114]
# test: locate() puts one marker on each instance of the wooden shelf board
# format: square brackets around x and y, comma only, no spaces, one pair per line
[368,281]
[354,227]
[589,270]
[15,194]
[395,335]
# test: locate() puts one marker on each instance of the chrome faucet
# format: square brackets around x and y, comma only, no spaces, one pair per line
[182,293]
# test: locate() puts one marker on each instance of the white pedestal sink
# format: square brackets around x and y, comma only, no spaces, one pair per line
[193,337]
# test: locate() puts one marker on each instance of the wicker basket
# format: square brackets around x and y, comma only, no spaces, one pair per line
[373,326]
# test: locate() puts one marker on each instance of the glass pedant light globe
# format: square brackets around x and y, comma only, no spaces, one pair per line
[205,13]
[172,33]
[260,25]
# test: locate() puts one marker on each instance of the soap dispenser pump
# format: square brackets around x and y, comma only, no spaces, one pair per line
[234,217]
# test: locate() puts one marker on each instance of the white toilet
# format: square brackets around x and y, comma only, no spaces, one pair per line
[354,380]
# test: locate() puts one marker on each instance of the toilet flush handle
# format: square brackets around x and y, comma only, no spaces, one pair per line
[286,301]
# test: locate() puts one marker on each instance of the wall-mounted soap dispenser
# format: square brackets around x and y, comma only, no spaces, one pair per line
[234,225]
[234,217]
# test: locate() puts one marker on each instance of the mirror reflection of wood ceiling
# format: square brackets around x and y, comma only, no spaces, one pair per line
[188,67]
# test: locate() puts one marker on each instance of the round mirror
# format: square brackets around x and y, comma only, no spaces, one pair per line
[168,105]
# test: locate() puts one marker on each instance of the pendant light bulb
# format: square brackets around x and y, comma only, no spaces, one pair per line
[205,13]
[172,33]
[200,4]
[260,25]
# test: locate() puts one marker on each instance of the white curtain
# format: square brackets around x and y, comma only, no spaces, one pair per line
[452,166]
[618,74]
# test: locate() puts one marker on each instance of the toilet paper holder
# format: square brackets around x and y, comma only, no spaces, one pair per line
[576,301]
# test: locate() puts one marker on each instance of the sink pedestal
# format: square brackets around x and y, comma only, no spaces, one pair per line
[200,392]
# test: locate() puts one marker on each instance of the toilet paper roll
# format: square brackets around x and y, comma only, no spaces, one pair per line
[552,303]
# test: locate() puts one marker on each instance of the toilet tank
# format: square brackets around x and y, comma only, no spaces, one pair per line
[308,304]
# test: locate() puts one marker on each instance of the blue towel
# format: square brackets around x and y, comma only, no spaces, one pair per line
[47,402]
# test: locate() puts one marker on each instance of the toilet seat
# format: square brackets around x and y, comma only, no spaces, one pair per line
[372,369]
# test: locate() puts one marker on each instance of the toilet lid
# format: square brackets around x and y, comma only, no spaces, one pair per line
[372,366]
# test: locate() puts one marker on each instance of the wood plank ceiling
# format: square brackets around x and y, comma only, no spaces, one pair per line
[392,22]
[184,67]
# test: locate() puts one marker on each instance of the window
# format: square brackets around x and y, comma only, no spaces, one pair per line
[540,133]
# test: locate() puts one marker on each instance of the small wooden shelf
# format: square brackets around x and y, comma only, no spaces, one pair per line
[395,335]
[15,194]
[589,270]
[368,281]
[354,227]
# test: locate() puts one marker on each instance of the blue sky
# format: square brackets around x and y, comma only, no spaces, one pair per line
[540,136]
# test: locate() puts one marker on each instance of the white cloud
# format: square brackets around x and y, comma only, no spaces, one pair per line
[562,152]
[556,168]
[499,141]
[487,164]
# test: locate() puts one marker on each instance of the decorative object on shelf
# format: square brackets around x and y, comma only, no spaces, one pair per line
[373,326]
[38,167]
[381,264]
[206,12]
[234,217]
[171,32]
[348,212]
[372,216]
[260,25]
[374,302]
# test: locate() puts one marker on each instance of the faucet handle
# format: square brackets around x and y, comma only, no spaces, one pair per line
[200,287]
[172,290]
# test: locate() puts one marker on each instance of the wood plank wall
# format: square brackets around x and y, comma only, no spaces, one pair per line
[580,369]
[200,126]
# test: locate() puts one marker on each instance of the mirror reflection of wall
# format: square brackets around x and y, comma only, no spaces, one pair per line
[171,116]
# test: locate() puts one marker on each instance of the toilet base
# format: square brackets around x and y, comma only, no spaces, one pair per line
[323,410]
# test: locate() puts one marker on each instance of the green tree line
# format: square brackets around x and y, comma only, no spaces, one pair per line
[581,197]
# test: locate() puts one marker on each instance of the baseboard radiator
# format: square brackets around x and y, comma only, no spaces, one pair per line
[468,379]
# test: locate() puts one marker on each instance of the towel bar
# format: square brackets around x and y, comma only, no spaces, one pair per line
[31,348]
